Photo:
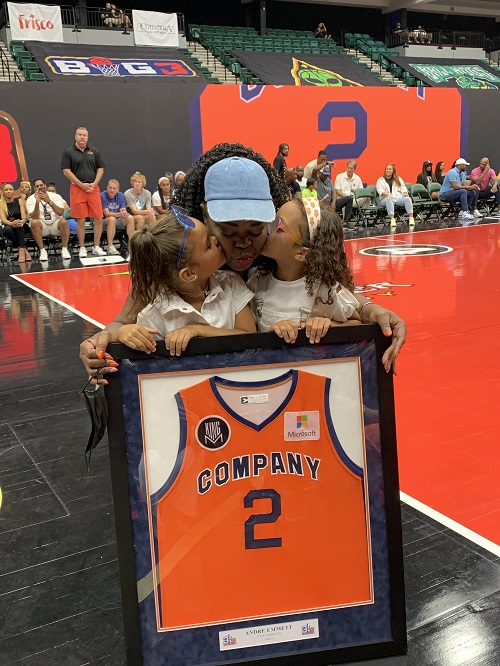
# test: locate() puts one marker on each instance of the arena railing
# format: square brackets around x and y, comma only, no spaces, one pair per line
[439,38]
[94,18]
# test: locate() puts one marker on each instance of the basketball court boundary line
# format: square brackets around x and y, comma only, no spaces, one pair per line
[451,524]
[59,302]
[424,231]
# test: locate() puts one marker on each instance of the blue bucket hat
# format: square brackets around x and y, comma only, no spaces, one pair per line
[238,189]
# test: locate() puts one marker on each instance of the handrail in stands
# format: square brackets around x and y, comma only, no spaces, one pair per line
[12,76]
[439,38]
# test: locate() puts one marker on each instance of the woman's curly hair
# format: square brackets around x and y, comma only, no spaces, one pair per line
[191,193]
[326,262]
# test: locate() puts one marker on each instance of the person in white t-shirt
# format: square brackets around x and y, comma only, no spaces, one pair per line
[161,199]
[138,200]
[46,210]
[348,182]
[301,179]
[312,167]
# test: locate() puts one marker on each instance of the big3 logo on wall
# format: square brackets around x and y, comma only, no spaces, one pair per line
[102,66]
[12,161]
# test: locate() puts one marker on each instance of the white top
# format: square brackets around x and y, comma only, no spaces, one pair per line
[309,167]
[45,208]
[156,201]
[396,189]
[348,185]
[276,300]
[228,295]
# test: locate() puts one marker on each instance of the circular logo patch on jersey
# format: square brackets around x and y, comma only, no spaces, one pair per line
[213,432]
[410,250]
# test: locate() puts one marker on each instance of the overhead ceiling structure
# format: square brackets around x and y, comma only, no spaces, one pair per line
[490,8]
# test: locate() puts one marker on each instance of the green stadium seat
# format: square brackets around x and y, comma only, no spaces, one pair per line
[36,76]
[16,44]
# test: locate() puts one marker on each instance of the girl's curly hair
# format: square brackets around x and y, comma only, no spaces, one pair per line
[326,262]
[191,193]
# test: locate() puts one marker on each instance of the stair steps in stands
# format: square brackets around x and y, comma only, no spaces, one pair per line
[365,61]
[12,65]
[212,63]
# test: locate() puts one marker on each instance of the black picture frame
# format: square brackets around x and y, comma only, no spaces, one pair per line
[343,341]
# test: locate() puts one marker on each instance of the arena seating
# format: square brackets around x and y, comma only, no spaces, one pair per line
[25,62]
[221,40]
[377,53]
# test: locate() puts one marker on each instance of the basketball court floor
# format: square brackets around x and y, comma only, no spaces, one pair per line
[59,590]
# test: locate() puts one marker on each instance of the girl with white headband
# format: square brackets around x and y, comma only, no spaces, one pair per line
[309,282]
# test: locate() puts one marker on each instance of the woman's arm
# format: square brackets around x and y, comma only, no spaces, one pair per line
[93,351]
[390,323]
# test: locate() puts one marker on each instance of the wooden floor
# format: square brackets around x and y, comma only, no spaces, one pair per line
[59,586]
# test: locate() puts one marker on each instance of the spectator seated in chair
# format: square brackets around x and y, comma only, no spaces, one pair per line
[46,211]
[392,192]
[485,178]
[13,218]
[294,191]
[426,177]
[139,201]
[25,189]
[161,199]
[310,190]
[454,189]
[114,209]
[321,32]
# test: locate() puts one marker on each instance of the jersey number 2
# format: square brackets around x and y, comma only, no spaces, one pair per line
[259,518]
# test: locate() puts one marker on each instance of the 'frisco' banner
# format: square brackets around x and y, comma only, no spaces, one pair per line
[38,22]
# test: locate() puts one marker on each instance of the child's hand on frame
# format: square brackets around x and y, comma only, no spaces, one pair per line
[316,328]
[286,329]
[137,336]
[177,340]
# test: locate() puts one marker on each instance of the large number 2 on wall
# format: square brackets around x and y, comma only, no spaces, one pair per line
[259,518]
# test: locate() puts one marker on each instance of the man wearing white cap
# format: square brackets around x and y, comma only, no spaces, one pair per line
[327,191]
[454,188]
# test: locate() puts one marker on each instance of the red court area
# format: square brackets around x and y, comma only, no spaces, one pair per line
[445,285]
[97,293]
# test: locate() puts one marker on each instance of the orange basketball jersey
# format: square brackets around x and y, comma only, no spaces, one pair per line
[264,513]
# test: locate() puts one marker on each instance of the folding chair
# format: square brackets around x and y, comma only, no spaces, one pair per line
[5,246]
[447,208]
[423,205]
[370,212]
[487,206]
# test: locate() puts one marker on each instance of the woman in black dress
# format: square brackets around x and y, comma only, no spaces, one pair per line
[14,219]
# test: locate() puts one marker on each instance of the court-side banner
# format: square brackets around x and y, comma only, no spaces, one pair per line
[155,28]
[112,63]
[301,69]
[30,21]
[447,73]
[349,123]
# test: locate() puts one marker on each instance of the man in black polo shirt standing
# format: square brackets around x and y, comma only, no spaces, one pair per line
[83,167]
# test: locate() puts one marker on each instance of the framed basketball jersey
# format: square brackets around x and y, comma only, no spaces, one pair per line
[261,489]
